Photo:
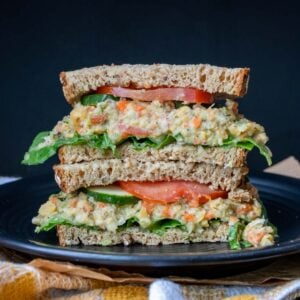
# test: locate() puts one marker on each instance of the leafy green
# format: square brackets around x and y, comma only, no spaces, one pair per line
[39,139]
[129,223]
[158,227]
[246,143]
[249,144]
[161,226]
[234,236]
[102,142]
[57,220]
[37,155]
[97,98]
[245,244]
[157,143]
[215,223]
[52,222]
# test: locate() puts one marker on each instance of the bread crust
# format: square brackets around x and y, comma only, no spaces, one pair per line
[222,82]
[71,235]
[104,172]
[232,157]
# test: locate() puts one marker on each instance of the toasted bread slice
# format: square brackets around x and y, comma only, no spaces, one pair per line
[104,172]
[219,81]
[71,235]
[233,157]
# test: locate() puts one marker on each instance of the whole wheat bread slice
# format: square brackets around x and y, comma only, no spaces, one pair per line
[103,172]
[220,81]
[233,157]
[71,235]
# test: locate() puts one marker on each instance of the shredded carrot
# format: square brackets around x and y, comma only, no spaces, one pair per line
[235,108]
[149,206]
[209,215]
[189,217]
[53,199]
[124,135]
[244,209]
[101,205]
[73,202]
[98,119]
[233,219]
[194,203]
[87,208]
[166,212]
[122,104]
[196,122]
[196,141]
[90,108]
[139,108]
[255,237]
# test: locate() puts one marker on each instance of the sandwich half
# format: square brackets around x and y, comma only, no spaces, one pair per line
[151,154]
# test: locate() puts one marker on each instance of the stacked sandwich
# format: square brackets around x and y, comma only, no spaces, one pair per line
[151,154]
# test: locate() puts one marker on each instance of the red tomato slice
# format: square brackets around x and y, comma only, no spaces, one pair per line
[162,94]
[171,191]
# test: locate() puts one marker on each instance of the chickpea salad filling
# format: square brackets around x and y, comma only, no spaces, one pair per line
[107,123]
[247,223]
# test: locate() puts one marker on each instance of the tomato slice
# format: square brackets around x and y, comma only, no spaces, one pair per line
[172,191]
[190,95]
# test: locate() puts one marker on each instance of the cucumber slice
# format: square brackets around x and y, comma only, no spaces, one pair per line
[112,194]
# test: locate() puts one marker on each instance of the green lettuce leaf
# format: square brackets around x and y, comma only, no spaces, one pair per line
[39,139]
[245,244]
[52,222]
[57,220]
[161,226]
[36,155]
[96,98]
[129,223]
[158,227]
[157,143]
[249,144]
[215,223]
[235,236]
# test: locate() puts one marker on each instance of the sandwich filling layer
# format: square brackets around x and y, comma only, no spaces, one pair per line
[246,220]
[155,124]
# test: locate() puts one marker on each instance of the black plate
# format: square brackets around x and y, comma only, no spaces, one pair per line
[19,202]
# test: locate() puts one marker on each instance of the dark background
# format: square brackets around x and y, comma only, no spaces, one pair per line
[39,39]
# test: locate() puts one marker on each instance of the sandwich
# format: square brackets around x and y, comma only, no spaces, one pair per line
[153,154]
